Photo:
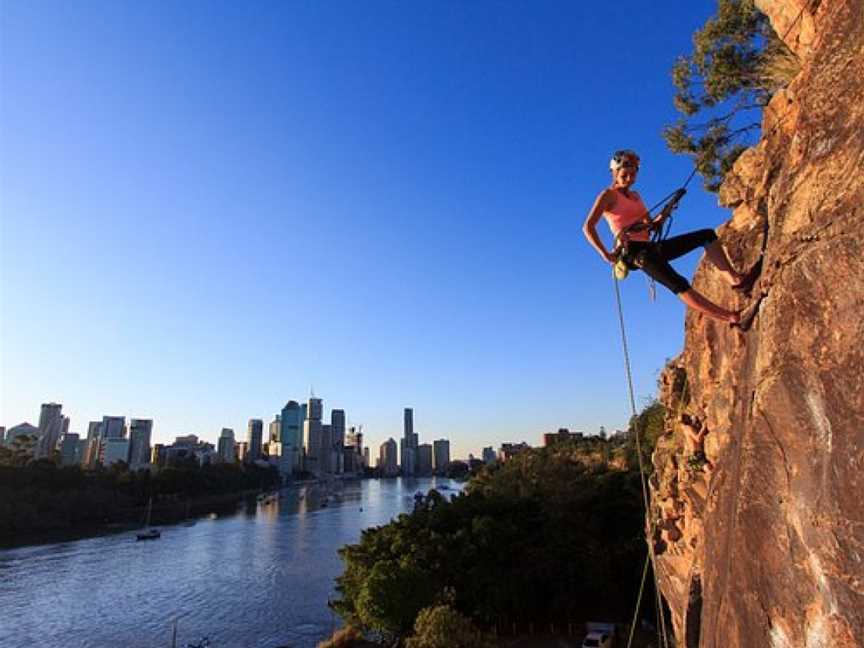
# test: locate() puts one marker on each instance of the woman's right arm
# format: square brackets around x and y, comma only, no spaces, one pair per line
[590,226]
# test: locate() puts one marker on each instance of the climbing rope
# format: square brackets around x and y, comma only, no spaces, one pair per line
[642,478]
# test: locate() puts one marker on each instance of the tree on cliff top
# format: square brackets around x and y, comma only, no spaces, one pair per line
[443,627]
[738,62]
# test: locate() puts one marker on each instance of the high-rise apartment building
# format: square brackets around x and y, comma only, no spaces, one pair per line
[337,424]
[50,429]
[292,425]
[387,459]
[408,425]
[113,427]
[312,435]
[441,455]
[315,409]
[425,462]
[292,433]
[488,455]
[94,430]
[355,450]
[326,453]
[225,446]
[92,453]
[254,440]
[140,433]
[69,450]
[114,450]
[275,429]
[408,444]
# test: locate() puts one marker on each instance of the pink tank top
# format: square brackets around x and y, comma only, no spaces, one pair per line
[624,213]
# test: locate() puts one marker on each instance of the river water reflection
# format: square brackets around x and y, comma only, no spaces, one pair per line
[258,578]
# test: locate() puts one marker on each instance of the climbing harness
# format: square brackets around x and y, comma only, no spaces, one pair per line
[621,266]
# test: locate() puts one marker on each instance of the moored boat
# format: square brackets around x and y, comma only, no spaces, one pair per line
[148,532]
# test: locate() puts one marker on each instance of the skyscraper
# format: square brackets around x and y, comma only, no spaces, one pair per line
[140,431]
[94,430]
[312,435]
[113,427]
[408,426]
[441,456]
[254,438]
[69,453]
[315,409]
[275,429]
[292,425]
[50,429]
[387,459]
[326,454]
[225,448]
[337,423]
[408,444]
[354,451]
[115,449]
[424,460]
[292,433]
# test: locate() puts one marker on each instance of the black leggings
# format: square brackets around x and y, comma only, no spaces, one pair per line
[653,258]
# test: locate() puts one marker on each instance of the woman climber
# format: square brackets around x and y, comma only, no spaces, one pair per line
[631,223]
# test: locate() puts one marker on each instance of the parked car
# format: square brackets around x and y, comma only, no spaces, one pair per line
[597,640]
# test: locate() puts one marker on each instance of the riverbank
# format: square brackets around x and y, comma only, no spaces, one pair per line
[259,577]
[165,513]
[42,502]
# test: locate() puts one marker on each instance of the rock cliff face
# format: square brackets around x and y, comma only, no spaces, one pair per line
[763,545]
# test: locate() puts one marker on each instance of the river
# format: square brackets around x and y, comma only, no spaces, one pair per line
[258,578]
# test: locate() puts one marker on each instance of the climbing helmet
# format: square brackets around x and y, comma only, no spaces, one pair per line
[622,158]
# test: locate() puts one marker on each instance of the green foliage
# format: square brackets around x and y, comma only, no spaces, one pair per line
[43,498]
[391,596]
[649,425]
[535,539]
[19,452]
[347,637]
[737,63]
[457,470]
[443,627]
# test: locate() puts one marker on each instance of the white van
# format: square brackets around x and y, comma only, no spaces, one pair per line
[597,640]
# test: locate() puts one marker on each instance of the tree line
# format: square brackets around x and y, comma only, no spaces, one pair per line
[553,535]
[41,498]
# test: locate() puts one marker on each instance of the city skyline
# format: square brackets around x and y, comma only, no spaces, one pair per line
[370,441]
[384,203]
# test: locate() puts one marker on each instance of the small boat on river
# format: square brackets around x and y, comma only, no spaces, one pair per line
[148,532]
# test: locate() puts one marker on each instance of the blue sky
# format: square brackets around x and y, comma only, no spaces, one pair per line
[208,208]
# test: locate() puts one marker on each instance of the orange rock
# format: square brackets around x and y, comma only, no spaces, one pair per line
[773,551]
